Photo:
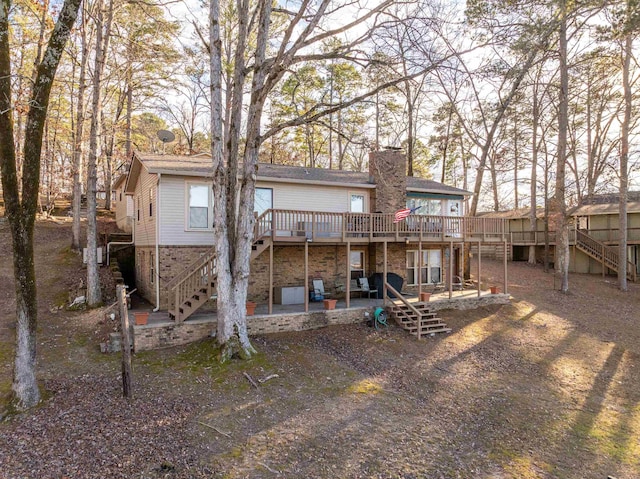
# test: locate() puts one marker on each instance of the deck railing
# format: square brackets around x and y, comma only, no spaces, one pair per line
[610,236]
[294,225]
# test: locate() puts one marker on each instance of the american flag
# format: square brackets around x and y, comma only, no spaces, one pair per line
[403,213]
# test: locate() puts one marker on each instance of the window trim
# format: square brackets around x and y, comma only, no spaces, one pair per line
[426,266]
[187,188]
[365,205]
[264,188]
[363,256]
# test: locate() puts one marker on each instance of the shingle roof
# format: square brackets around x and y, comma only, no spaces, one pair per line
[605,209]
[200,165]
[511,214]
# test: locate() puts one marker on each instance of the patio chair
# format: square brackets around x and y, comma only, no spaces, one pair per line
[364,285]
[318,289]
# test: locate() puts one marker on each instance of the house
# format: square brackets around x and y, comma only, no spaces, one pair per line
[123,205]
[332,225]
[593,234]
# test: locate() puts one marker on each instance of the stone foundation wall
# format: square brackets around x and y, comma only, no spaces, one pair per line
[470,303]
[156,336]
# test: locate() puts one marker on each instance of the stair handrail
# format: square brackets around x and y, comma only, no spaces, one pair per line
[188,285]
[407,304]
[259,230]
[608,254]
[195,264]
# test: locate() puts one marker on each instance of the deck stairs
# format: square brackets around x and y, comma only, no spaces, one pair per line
[606,255]
[418,321]
[414,317]
[196,284]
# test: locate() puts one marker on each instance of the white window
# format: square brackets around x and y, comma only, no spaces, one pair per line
[199,206]
[356,203]
[428,206]
[356,262]
[430,272]
[263,200]
[150,202]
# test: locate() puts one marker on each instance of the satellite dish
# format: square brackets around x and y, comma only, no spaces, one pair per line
[166,136]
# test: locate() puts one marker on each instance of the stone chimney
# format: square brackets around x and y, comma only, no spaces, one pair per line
[388,171]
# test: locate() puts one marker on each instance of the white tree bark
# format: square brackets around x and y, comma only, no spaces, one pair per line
[624,160]
[103,32]
[559,201]
[77,139]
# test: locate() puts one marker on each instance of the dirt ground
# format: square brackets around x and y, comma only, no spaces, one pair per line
[546,387]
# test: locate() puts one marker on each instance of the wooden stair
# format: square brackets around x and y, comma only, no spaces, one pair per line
[419,321]
[192,289]
[196,284]
[606,255]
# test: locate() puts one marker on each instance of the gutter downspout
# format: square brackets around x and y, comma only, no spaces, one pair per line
[133,240]
[157,258]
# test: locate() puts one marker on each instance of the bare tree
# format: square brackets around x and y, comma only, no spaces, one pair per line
[235,168]
[78,135]
[103,34]
[21,209]
[559,200]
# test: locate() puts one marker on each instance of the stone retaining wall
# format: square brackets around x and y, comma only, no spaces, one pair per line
[168,334]
[470,303]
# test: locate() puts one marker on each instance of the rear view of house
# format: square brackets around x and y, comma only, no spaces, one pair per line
[311,224]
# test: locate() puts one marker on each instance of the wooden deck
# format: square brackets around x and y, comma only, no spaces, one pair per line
[313,226]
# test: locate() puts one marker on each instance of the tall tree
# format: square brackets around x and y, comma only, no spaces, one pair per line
[21,209]
[235,168]
[559,199]
[103,35]
[78,135]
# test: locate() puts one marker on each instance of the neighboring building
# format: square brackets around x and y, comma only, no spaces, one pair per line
[123,205]
[593,234]
[342,219]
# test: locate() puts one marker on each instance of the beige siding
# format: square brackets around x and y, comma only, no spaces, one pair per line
[124,210]
[173,208]
[332,199]
[145,225]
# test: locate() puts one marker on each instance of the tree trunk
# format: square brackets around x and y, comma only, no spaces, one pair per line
[77,140]
[410,139]
[533,217]
[559,200]
[233,227]
[94,294]
[21,210]
[624,160]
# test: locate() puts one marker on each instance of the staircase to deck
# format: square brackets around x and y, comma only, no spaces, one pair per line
[606,255]
[196,284]
[415,318]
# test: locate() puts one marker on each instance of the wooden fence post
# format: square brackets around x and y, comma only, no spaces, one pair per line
[127,390]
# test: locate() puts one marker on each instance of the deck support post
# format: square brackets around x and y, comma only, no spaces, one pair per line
[306,276]
[479,267]
[348,280]
[505,267]
[450,275]
[271,278]
[384,273]
[419,269]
